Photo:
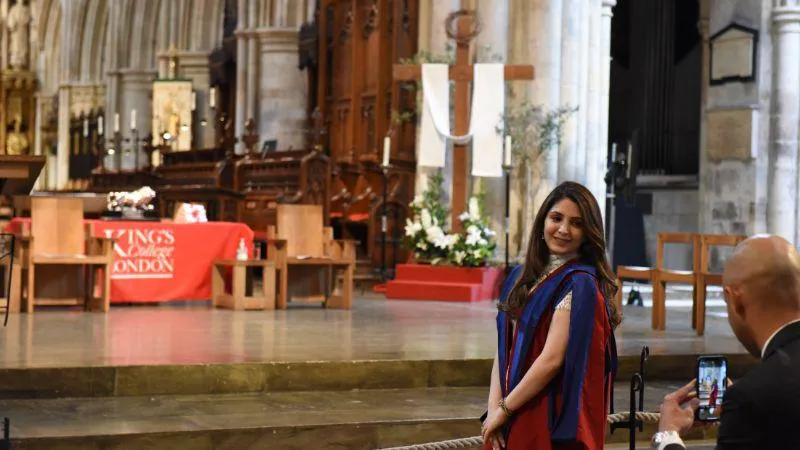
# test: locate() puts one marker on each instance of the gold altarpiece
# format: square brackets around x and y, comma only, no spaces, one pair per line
[18,112]
[173,103]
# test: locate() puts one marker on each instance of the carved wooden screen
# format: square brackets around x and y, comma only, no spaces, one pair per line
[360,40]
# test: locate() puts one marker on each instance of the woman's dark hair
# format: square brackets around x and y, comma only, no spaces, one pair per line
[592,252]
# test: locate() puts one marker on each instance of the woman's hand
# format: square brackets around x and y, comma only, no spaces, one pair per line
[491,427]
[497,441]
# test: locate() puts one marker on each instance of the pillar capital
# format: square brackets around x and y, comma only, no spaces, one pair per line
[276,39]
[702,27]
[608,5]
[786,17]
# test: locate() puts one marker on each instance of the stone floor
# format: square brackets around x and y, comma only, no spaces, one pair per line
[375,329]
[70,417]
[224,353]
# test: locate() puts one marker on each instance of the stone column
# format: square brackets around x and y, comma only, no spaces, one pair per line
[112,79]
[194,66]
[703,217]
[569,155]
[241,75]
[252,66]
[781,210]
[595,148]
[136,88]
[62,154]
[606,13]
[283,90]
[590,10]
[493,41]
[164,39]
[542,39]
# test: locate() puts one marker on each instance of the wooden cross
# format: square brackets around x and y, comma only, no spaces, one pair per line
[466,29]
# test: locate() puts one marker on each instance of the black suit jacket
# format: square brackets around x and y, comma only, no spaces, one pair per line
[762,409]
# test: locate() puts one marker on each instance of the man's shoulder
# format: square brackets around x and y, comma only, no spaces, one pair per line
[769,382]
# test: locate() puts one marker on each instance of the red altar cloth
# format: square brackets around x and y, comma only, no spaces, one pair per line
[165,261]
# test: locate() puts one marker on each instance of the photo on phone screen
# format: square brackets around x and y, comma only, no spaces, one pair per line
[712,376]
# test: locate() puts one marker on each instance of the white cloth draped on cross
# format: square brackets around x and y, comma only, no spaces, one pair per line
[487,109]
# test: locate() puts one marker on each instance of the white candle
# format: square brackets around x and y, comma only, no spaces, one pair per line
[507,161]
[85,127]
[100,125]
[116,122]
[194,100]
[212,98]
[387,145]
[133,119]
[628,162]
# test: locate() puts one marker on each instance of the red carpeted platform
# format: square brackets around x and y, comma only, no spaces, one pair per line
[445,283]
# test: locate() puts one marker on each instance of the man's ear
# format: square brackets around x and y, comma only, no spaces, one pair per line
[735,300]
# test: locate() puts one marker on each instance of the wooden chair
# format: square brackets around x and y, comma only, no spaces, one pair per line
[59,238]
[663,275]
[9,297]
[658,276]
[705,277]
[306,254]
[638,273]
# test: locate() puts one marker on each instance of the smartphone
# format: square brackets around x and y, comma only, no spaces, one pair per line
[712,382]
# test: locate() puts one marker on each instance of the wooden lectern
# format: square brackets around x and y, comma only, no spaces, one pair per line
[18,174]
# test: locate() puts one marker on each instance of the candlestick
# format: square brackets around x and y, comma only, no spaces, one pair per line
[133,119]
[212,98]
[116,122]
[100,125]
[85,127]
[507,160]
[387,145]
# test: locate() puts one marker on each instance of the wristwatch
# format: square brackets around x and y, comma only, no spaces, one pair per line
[663,437]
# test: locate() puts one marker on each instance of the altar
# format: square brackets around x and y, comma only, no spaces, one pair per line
[163,261]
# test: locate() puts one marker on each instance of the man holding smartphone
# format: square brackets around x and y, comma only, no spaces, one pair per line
[761,284]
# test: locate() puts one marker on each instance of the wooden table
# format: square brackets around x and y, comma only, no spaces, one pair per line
[241,284]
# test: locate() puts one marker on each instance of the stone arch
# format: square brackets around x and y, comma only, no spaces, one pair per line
[49,59]
[93,41]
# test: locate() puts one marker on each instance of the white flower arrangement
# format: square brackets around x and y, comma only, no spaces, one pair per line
[425,230]
[427,237]
[476,247]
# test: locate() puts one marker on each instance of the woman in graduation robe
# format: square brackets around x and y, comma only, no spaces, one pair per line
[556,356]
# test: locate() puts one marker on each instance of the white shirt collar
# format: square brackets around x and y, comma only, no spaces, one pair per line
[769,339]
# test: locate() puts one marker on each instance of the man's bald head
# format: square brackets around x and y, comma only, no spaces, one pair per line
[769,268]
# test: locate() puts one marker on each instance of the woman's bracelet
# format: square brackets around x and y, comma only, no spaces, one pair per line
[502,405]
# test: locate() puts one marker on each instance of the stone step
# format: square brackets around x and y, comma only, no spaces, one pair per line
[241,378]
[359,419]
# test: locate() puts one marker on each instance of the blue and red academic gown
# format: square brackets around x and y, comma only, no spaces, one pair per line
[570,413]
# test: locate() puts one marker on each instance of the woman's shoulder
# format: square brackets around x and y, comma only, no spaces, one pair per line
[508,280]
[580,270]
[582,275]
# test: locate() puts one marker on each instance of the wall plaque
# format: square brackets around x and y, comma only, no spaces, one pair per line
[731,134]
[733,53]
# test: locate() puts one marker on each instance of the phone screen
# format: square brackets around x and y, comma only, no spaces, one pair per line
[712,381]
